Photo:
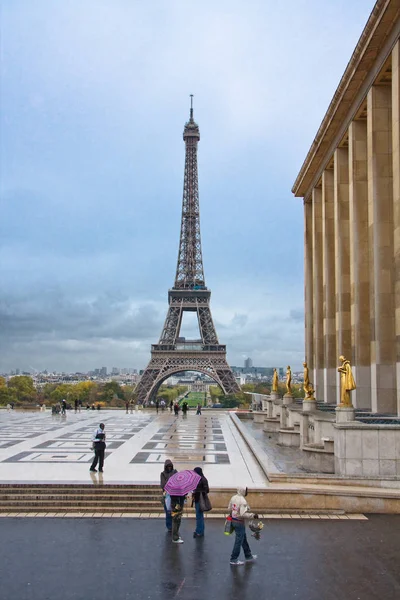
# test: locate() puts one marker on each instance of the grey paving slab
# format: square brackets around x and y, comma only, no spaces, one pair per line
[127,559]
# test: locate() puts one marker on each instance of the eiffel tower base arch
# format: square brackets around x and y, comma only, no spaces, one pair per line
[164,364]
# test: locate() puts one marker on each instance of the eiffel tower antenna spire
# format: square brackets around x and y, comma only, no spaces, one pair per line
[174,354]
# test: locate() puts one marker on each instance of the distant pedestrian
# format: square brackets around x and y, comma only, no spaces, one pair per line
[202,488]
[131,404]
[99,446]
[63,406]
[165,475]
[157,405]
[198,411]
[127,406]
[76,406]
[171,405]
[162,404]
[184,408]
[176,409]
[240,511]
[79,405]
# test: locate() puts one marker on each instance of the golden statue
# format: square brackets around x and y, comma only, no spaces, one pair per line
[275,381]
[306,383]
[289,380]
[347,382]
[310,392]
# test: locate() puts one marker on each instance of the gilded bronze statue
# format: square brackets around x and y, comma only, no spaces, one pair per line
[288,381]
[347,382]
[275,381]
[306,383]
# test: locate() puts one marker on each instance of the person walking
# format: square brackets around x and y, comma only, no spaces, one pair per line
[171,405]
[240,511]
[99,445]
[202,488]
[165,475]
[63,406]
[76,405]
[198,412]
[184,408]
[176,409]
[157,405]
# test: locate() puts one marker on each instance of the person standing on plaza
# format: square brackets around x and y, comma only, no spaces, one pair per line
[239,511]
[176,409]
[202,488]
[99,445]
[63,406]
[198,411]
[165,475]
[157,405]
[76,405]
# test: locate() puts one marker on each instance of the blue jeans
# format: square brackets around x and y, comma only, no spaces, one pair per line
[168,518]
[199,519]
[240,541]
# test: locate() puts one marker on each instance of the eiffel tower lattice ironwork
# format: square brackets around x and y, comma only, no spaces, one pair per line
[173,354]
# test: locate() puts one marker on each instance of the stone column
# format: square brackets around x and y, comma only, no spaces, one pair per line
[359,264]
[342,257]
[396,201]
[380,220]
[329,325]
[318,293]
[308,284]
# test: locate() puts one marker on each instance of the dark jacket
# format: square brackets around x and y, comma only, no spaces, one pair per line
[202,486]
[166,474]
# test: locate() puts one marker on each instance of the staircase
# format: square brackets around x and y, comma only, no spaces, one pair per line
[73,498]
[81,498]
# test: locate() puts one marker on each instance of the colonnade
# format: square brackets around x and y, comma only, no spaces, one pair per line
[352,255]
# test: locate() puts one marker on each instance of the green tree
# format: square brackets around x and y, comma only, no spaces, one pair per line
[21,389]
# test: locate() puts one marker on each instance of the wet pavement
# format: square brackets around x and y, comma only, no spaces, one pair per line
[45,448]
[99,559]
[286,459]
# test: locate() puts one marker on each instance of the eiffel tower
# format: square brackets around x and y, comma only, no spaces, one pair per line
[174,354]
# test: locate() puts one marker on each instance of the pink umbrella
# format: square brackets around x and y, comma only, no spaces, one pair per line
[182,483]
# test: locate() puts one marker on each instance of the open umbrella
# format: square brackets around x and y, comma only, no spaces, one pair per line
[182,483]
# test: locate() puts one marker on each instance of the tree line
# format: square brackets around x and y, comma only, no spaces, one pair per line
[20,391]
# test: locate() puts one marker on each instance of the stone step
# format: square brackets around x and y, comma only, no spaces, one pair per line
[80,503]
[77,496]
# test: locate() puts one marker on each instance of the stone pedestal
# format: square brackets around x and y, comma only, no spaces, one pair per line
[309,405]
[274,396]
[344,414]
[287,399]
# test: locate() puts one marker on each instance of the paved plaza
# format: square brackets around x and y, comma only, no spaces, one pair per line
[127,559]
[41,447]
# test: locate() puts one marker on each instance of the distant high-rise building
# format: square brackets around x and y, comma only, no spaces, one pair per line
[248,363]
[17,371]
[103,371]
[115,371]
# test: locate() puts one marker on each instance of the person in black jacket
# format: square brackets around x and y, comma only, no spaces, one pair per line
[165,475]
[202,487]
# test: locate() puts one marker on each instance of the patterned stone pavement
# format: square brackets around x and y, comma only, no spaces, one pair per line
[43,447]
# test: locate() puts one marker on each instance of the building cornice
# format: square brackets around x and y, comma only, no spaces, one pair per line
[376,39]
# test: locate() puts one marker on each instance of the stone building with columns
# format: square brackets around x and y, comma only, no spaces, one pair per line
[350,183]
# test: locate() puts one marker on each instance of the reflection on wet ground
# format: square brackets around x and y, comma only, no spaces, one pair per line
[103,559]
[287,460]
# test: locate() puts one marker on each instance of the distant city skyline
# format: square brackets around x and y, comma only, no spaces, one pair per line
[94,97]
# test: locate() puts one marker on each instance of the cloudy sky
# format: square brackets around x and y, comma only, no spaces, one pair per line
[94,96]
